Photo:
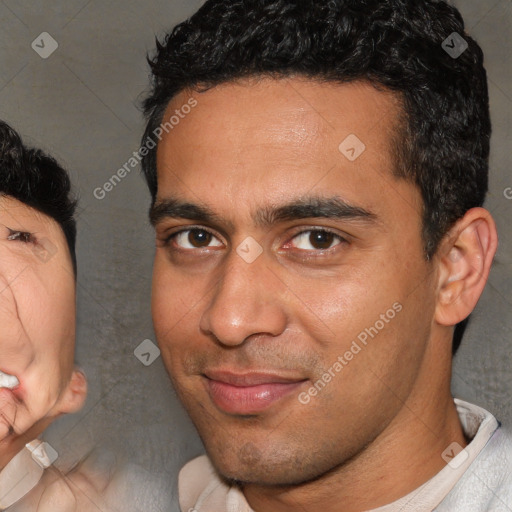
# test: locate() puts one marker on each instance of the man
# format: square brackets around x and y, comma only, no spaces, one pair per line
[38,379]
[321,242]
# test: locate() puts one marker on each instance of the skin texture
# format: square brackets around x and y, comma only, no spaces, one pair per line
[378,428]
[37,326]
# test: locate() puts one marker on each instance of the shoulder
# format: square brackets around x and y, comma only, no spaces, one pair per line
[487,483]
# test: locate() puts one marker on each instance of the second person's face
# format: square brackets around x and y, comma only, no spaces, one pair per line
[37,322]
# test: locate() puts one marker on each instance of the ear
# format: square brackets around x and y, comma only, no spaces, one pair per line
[465,259]
[75,394]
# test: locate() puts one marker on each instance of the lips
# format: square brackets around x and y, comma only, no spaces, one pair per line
[8,381]
[248,393]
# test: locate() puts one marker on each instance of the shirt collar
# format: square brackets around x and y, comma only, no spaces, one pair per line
[23,473]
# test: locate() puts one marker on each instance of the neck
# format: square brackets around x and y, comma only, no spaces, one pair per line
[403,457]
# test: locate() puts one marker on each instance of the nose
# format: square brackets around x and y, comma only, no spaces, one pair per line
[247,301]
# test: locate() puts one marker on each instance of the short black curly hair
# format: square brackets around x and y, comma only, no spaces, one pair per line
[393,44]
[37,180]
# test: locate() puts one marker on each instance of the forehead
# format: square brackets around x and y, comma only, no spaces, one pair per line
[253,141]
[24,216]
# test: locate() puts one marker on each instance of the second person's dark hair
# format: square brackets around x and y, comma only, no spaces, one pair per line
[37,180]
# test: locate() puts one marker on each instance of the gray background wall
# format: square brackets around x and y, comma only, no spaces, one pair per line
[80,104]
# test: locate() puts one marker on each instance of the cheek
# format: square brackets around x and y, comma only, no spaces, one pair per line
[175,304]
[381,336]
[49,311]
[338,307]
[168,295]
[370,313]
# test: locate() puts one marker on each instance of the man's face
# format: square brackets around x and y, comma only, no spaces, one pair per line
[291,361]
[37,318]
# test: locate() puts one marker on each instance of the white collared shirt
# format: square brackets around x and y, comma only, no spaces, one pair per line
[23,473]
[462,485]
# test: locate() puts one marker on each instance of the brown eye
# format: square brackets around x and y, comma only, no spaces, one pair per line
[316,240]
[198,238]
[321,239]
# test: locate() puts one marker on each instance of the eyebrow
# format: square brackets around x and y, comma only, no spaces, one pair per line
[177,209]
[302,208]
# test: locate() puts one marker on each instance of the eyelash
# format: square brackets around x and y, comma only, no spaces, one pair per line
[340,239]
[168,239]
[166,242]
[20,236]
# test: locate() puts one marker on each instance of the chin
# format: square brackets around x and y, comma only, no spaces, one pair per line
[247,469]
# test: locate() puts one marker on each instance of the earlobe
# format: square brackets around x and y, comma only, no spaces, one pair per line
[75,394]
[465,260]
